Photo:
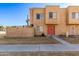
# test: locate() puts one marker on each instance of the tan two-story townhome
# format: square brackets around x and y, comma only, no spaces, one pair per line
[53,20]
[48,21]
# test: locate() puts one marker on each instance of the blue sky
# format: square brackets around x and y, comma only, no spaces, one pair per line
[15,14]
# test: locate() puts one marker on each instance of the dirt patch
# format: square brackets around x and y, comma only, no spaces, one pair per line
[72,40]
[29,40]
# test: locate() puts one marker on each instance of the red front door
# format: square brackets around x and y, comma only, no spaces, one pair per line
[51,30]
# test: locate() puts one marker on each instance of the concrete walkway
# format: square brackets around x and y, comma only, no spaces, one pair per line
[61,40]
[38,47]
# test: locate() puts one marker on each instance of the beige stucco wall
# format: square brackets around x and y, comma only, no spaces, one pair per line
[20,31]
[33,12]
[70,10]
[60,28]
[73,29]
[35,21]
[73,24]
[51,9]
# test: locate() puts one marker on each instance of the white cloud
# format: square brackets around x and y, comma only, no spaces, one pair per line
[73,4]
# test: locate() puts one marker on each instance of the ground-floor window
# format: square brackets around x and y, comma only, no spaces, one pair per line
[72,31]
[39,29]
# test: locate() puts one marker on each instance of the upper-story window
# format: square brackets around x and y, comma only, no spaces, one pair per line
[52,15]
[39,16]
[75,15]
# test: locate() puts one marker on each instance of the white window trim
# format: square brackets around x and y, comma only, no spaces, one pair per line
[75,15]
[54,15]
[41,16]
[39,29]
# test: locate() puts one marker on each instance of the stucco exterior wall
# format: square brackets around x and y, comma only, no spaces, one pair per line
[60,28]
[36,22]
[51,9]
[73,29]
[33,12]
[70,10]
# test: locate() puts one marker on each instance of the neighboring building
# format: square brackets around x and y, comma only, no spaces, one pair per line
[2,28]
[2,31]
[53,20]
